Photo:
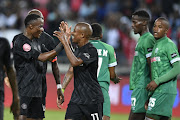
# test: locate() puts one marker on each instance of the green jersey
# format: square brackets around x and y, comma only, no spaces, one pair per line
[164,54]
[140,71]
[106,58]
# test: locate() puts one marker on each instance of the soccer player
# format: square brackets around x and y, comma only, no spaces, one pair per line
[6,66]
[48,42]
[165,64]
[106,66]
[87,97]
[140,71]
[29,58]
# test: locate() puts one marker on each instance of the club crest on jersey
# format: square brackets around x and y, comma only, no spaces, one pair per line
[156,50]
[154,59]
[26,47]
[86,55]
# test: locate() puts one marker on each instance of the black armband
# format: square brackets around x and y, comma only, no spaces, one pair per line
[59,48]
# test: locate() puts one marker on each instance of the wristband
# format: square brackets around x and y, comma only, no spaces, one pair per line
[59,48]
[59,86]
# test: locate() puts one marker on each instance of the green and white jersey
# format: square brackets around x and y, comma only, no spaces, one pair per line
[140,71]
[164,54]
[106,58]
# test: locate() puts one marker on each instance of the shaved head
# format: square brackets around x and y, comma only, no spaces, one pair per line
[37,12]
[85,28]
[164,21]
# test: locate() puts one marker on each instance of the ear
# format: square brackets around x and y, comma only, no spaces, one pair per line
[144,22]
[82,35]
[166,31]
[30,26]
[101,36]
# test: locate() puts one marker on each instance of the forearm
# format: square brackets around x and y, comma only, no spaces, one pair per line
[67,78]
[56,72]
[169,75]
[12,79]
[48,56]
[72,58]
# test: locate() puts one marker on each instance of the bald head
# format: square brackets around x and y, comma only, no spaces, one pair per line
[37,12]
[85,28]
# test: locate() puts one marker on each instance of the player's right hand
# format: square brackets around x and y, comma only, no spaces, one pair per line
[60,98]
[15,108]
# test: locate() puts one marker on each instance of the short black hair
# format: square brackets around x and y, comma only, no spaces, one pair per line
[97,30]
[164,19]
[30,18]
[143,14]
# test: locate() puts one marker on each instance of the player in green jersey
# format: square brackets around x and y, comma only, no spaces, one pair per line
[106,66]
[165,64]
[140,71]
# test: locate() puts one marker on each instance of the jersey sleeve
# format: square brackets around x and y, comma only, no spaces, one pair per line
[89,56]
[148,46]
[112,57]
[25,50]
[7,59]
[172,53]
[48,41]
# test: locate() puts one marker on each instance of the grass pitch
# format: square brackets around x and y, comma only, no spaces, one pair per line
[59,115]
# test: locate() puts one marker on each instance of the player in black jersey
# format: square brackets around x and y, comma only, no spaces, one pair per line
[87,97]
[29,58]
[48,42]
[6,66]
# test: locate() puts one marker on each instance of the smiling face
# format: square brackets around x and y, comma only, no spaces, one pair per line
[137,24]
[160,28]
[37,28]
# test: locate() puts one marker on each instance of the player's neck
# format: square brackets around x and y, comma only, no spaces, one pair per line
[82,43]
[29,36]
[144,31]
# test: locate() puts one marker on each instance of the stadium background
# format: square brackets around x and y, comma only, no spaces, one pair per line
[113,15]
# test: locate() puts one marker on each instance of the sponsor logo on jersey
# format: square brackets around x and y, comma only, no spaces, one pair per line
[154,59]
[86,55]
[26,47]
[24,106]
[173,55]
[149,49]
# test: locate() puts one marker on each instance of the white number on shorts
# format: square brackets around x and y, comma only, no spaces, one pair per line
[94,116]
[152,102]
[133,101]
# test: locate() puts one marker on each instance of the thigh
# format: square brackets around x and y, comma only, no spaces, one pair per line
[161,104]
[138,99]
[35,109]
[92,111]
[1,110]
[24,104]
[73,112]
[106,104]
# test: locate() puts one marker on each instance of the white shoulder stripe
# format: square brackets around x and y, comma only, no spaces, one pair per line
[175,60]
[148,55]
[112,64]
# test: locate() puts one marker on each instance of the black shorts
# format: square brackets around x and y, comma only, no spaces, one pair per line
[31,107]
[89,111]
[43,106]
[1,109]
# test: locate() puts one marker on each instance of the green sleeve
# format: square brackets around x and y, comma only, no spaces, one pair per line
[148,46]
[169,75]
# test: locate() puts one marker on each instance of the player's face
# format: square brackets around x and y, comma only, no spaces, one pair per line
[159,29]
[76,34]
[37,28]
[137,24]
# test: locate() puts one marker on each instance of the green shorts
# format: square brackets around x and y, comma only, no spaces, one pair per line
[161,104]
[106,104]
[138,98]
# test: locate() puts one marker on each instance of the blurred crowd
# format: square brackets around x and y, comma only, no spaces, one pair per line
[113,15]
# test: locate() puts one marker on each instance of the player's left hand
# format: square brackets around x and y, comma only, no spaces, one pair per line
[152,86]
[60,98]
[15,107]
[116,80]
